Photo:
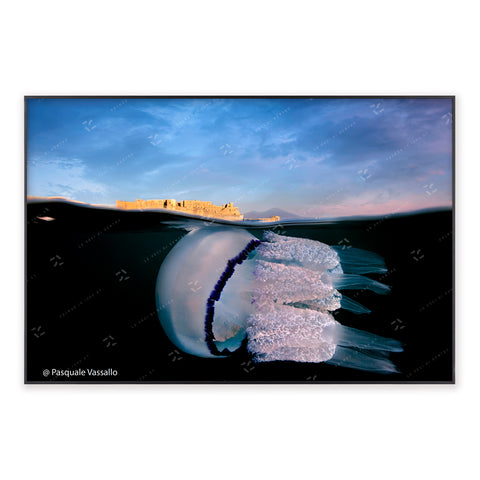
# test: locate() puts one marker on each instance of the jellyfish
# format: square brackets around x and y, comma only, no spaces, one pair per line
[221,288]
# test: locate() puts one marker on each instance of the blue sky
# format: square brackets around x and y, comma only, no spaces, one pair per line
[311,157]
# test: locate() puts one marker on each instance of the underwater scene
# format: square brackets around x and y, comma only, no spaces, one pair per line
[100,297]
[239,239]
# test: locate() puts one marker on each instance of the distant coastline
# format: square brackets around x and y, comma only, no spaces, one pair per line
[197,208]
[194,207]
[286,217]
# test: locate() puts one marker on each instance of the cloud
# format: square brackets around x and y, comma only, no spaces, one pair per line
[321,155]
[63,177]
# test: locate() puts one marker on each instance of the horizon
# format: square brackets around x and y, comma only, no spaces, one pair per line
[35,199]
[320,157]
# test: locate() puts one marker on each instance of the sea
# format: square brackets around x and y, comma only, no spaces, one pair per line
[90,278]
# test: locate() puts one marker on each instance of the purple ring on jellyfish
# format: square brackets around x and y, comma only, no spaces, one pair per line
[217,291]
[221,287]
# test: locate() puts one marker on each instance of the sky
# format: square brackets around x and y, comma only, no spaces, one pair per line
[311,157]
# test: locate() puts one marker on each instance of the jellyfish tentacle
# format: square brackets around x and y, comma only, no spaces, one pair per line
[361,360]
[358,282]
[352,337]
[353,306]
[356,260]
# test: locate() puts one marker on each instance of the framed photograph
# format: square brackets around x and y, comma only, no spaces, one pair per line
[239,239]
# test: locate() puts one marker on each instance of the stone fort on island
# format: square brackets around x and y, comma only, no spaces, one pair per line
[194,207]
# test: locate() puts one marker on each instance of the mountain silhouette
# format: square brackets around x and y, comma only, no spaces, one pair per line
[283,214]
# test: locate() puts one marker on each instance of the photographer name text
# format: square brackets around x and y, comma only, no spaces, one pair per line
[80,372]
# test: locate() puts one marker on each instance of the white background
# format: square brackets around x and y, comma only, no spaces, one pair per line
[248,47]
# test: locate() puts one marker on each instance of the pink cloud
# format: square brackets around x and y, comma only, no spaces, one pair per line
[386,208]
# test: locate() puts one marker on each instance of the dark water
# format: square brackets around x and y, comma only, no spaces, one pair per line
[90,299]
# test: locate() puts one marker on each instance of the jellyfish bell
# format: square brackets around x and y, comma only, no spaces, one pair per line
[184,284]
[221,287]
